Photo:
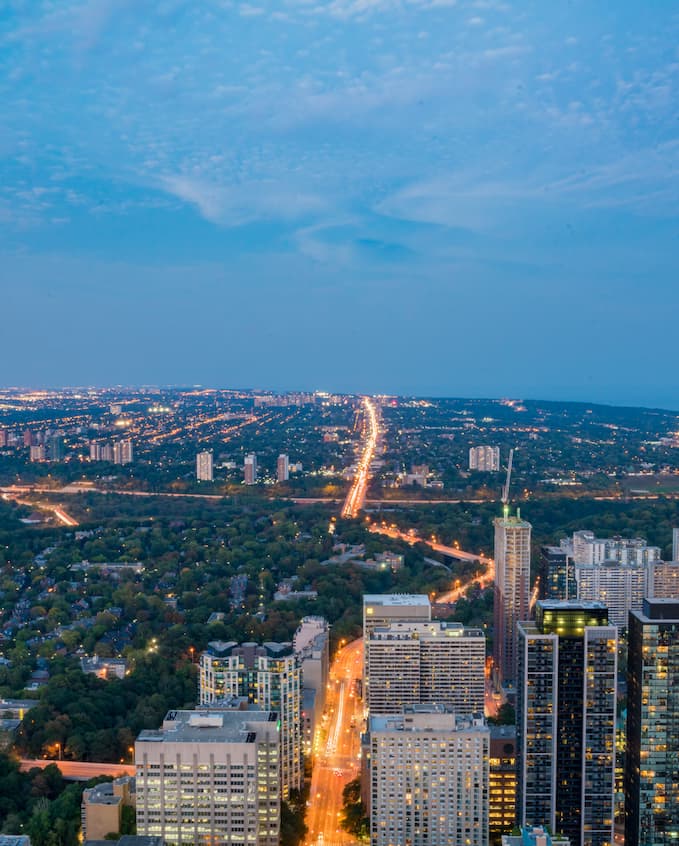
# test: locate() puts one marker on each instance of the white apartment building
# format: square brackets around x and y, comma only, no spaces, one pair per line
[123,452]
[428,778]
[204,466]
[382,609]
[410,663]
[250,469]
[210,777]
[269,676]
[484,458]
[585,548]
[621,587]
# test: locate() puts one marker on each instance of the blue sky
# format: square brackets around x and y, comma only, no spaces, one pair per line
[461,197]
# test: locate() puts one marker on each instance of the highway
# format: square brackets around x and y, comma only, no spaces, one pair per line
[57,510]
[79,770]
[484,579]
[336,749]
[356,496]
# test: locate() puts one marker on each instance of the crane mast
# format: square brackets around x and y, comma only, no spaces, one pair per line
[505,489]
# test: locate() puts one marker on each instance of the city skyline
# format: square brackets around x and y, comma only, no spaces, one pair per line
[476,179]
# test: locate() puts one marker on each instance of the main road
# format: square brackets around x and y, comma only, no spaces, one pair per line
[356,496]
[336,749]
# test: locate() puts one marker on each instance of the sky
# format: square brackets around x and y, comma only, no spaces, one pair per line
[433,197]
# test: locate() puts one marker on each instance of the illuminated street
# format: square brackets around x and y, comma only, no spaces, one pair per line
[336,749]
[356,496]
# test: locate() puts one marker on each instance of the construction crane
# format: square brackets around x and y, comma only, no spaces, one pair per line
[505,489]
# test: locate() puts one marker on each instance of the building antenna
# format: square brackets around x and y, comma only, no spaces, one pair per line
[505,489]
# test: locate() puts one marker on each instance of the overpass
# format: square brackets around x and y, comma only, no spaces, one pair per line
[79,770]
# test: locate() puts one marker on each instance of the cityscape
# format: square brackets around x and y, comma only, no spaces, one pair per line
[339,423]
[312,618]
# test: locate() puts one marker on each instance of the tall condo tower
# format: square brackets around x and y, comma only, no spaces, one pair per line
[512,591]
[652,758]
[204,471]
[566,707]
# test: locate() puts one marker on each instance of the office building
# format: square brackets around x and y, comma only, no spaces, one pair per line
[566,706]
[512,592]
[102,807]
[283,468]
[210,777]
[557,574]
[484,458]
[270,676]
[410,663]
[585,548]
[250,469]
[501,782]
[621,587]
[123,452]
[427,771]
[204,470]
[652,758]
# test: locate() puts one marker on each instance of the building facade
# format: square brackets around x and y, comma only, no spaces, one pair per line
[269,676]
[283,468]
[621,587]
[250,469]
[566,708]
[204,466]
[210,777]
[502,783]
[652,757]
[512,592]
[484,458]
[663,579]
[557,574]
[410,663]
[428,778]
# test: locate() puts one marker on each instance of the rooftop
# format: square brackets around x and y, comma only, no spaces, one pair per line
[213,726]
[396,599]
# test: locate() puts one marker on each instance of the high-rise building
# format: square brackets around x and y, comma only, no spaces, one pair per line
[621,587]
[107,452]
[386,608]
[270,676]
[204,469]
[312,644]
[381,609]
[675,544]
[502,782]
[484,458]
[250,469]
[428,778]
[411,663]
[663,579]
[283,468]
[28,438]
[652,757]
[566,707]
[585,548]
[557,574]
[210,777]
[55,448]
[3,438]
[95,451]
[512,591]
[38,453]
[123,452]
